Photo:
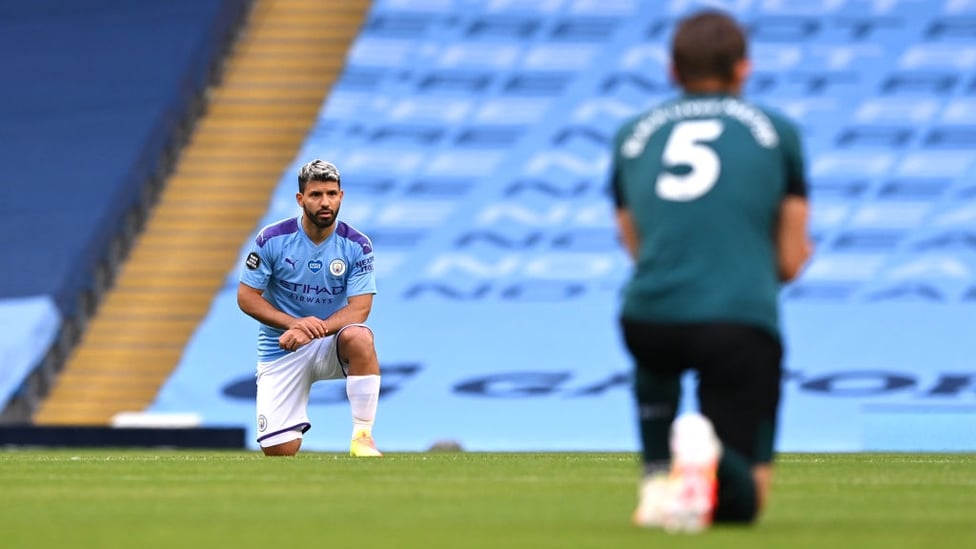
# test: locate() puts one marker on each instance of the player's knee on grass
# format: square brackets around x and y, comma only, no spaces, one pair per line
[737,497]
[282,444]
[286,449]
[735,508]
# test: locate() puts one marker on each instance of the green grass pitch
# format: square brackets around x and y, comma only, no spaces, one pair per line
[145,499]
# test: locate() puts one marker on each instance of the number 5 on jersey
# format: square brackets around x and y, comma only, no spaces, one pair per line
[687,146]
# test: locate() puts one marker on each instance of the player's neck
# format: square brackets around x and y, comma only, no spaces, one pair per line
[712,86]
[315,233]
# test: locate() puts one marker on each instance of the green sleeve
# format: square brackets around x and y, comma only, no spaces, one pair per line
[796,182]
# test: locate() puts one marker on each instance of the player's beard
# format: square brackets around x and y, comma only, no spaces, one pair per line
[321,223]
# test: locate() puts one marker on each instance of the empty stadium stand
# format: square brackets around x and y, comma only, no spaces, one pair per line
[473,140]
[270,89]
[472,136]
[273,84]
[98,97]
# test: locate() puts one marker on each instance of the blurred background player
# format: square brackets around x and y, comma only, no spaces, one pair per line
[309,281]
[710,198]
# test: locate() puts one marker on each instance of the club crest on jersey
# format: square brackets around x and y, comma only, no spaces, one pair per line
[315,265]
[337,267]
[262,423]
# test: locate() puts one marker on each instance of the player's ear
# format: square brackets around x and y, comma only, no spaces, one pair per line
[742,70]
[673,74]
[298,198]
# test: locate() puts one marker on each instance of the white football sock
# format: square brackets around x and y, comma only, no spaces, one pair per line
[363,393]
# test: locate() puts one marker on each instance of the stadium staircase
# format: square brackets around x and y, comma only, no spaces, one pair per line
[275,78]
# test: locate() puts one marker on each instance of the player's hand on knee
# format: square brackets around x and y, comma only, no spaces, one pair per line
[293,338]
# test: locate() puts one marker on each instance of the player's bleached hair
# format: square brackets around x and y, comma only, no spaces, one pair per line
[317,170]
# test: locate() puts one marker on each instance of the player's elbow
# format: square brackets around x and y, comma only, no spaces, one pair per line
[627,232]
[788,273]
[359,309]
[792,242]
[361,314]
[792,260]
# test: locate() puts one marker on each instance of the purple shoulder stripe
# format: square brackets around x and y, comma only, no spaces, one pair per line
[288,226]
[345,231]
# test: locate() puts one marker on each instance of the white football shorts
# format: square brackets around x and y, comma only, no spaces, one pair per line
[284,385]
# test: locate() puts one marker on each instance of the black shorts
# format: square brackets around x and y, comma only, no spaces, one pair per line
[739,374]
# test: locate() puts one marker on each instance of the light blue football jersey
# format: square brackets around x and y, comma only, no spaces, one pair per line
[303,279]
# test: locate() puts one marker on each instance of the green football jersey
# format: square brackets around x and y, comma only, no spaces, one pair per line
[703,177]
